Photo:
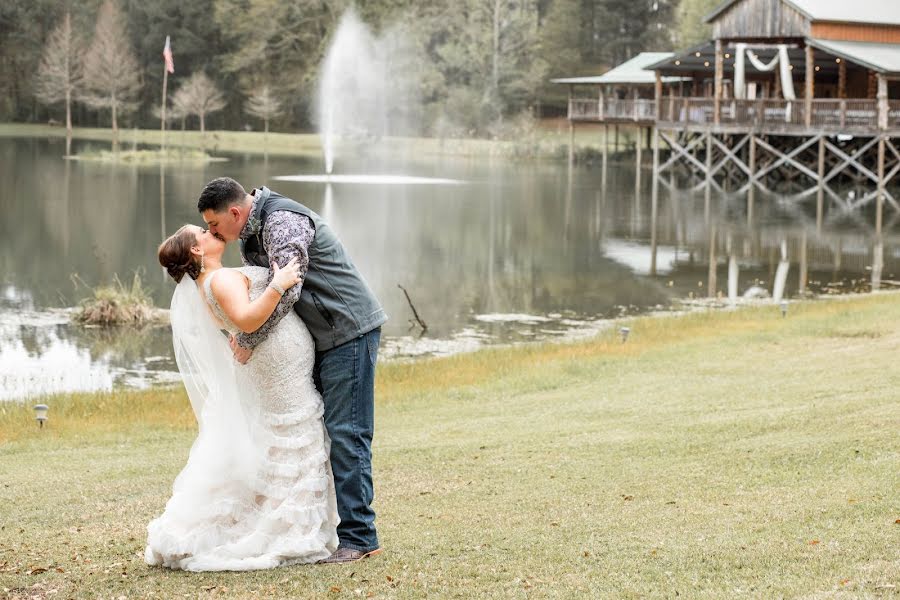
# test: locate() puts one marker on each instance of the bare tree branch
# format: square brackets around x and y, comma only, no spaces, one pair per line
[198,96]
[263,105]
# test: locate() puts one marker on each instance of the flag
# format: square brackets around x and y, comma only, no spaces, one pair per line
[167,54]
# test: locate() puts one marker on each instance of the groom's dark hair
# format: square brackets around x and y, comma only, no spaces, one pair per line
[219,194]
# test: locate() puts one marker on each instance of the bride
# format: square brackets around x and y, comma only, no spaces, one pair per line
[257,490]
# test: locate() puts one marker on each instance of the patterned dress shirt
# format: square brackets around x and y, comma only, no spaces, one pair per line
[285,236]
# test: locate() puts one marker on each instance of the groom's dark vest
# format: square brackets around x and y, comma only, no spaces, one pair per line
[335,302]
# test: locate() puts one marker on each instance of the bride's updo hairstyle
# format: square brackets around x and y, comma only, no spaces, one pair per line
[175,254]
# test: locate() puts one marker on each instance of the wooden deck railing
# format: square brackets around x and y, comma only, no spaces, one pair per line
[829,115]
[593,109]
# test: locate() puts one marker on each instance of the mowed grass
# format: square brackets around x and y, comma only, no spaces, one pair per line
[549,139]
[714,455]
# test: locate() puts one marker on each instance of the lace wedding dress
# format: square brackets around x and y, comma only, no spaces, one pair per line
[257,491]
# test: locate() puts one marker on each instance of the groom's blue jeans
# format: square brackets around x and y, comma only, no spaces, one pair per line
[345,375]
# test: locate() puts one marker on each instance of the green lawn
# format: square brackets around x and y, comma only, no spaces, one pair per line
[722,454]
[548,140]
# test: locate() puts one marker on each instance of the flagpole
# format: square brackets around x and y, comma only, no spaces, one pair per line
[162,112]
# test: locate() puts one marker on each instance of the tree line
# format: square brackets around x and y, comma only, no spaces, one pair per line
[246,63]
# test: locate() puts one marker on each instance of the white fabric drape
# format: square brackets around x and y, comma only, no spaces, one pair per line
[780,59]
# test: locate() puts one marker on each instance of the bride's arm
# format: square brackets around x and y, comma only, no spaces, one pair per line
[230,289]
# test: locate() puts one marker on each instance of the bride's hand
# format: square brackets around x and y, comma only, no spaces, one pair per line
[287,276]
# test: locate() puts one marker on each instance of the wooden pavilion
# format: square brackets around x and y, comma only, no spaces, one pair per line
[802,93]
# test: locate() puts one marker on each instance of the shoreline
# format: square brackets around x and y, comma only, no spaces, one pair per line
[589,330]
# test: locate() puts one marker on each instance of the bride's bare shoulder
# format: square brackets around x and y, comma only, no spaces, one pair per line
[228,281]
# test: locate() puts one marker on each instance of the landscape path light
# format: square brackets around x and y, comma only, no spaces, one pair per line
[40,413]
[624,331]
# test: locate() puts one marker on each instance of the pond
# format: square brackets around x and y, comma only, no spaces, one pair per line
[506,252]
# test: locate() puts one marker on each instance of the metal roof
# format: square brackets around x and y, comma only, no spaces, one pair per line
[884,58]
[876,12]
[632,71]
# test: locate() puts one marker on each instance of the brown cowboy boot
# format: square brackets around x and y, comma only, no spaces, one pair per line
[348,555]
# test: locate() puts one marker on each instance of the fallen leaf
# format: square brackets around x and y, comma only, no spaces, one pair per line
[813,542]
[627,497]
[389,578]
[845,581]
[334,589]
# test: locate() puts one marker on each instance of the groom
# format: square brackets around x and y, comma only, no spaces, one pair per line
[344,318]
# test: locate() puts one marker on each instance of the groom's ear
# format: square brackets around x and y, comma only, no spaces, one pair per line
[235,212]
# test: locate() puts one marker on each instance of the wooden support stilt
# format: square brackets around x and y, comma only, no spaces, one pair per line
[820,190]
[879,207]
[637,165]
[616,141]
[571,142]
[752,175]
[708,170]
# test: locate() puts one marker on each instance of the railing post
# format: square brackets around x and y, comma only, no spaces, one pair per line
[843,109]
[600,106]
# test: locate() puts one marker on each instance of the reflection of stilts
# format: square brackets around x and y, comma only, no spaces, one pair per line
[162,207]
[711,284]
[732,270]
[877,263]
[781,274]
[654,203]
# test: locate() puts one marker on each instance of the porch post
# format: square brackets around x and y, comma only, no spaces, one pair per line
[810,74]
[882,101]
[842,79]
[657,92]
[717,90]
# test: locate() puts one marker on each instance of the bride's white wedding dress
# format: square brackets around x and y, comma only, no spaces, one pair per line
[257,491]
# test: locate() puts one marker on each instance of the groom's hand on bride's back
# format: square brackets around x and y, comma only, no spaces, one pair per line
[242,355]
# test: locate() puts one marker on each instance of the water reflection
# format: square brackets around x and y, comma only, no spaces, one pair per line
[522,251]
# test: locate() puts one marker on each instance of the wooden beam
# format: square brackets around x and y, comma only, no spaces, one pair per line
[810,75]
[717,90]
